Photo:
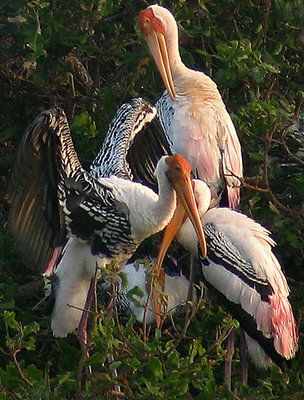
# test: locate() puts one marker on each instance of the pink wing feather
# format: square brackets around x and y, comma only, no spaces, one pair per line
[232,162]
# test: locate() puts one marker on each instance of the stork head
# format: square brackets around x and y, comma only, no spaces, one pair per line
[178,172]
[159,28]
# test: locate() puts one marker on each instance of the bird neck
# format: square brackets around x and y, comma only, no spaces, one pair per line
[186,80]
[202,195]
[160,211]
[165,205]
[149,212]
[177,66]
[187,235]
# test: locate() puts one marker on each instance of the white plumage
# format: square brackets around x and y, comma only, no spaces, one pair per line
[191,111]
[58,203]
[246,276]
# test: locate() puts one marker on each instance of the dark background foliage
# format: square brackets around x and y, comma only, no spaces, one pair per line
[88,56]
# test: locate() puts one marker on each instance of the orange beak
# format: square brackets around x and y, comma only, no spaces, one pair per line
[179,175]
[170,233]
[186,206]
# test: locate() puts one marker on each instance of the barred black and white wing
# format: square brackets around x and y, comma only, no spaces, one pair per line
[133,145]
[243,271]
[35,221]
[223,252]
[52,197]
[246,276]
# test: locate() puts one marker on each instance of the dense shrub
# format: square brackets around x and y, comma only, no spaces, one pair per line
[89,57]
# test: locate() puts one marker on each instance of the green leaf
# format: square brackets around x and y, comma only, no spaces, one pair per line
[32,328]
[136,291]
[152,388]
[114,365]
[155,368]
[258,74]
[10,321]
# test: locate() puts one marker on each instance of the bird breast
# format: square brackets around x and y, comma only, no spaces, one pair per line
[194,134]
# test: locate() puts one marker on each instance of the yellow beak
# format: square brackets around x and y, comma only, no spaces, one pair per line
[157,45]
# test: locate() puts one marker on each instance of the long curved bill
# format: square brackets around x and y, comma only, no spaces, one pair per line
[157,45]
[186,207]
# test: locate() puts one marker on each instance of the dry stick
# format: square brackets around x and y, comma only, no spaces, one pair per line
[117,392]
[270,194]
[285,147]
[121,331]
[72,84]
[267,96]
[23,377]
[189,318]
[13,352]
[265,160]
[266,190]
[220,339]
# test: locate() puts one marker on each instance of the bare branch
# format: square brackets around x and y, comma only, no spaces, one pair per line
[23,377]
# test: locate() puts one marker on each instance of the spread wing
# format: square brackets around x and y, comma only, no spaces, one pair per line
[35,220]
[134,143]
[51,196]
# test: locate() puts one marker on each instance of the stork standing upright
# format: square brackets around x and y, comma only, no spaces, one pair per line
[191,111]
[193,115]
[53,198]
[245,274]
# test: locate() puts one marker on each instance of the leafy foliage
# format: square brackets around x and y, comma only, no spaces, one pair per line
[89,57]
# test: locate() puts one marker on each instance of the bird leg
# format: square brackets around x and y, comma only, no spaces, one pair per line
[110,358]
[229,355]
[244,358]
[82,330]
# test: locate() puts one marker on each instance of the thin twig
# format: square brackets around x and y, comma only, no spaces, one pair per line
[72,85]
[23,377]
[267,96]
[290,154]
[189,318]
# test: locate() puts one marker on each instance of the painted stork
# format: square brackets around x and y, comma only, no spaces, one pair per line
[192,111]
[245,274]
[52,199]
[131,301]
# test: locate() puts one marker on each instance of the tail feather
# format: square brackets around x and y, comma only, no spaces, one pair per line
[284,327]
